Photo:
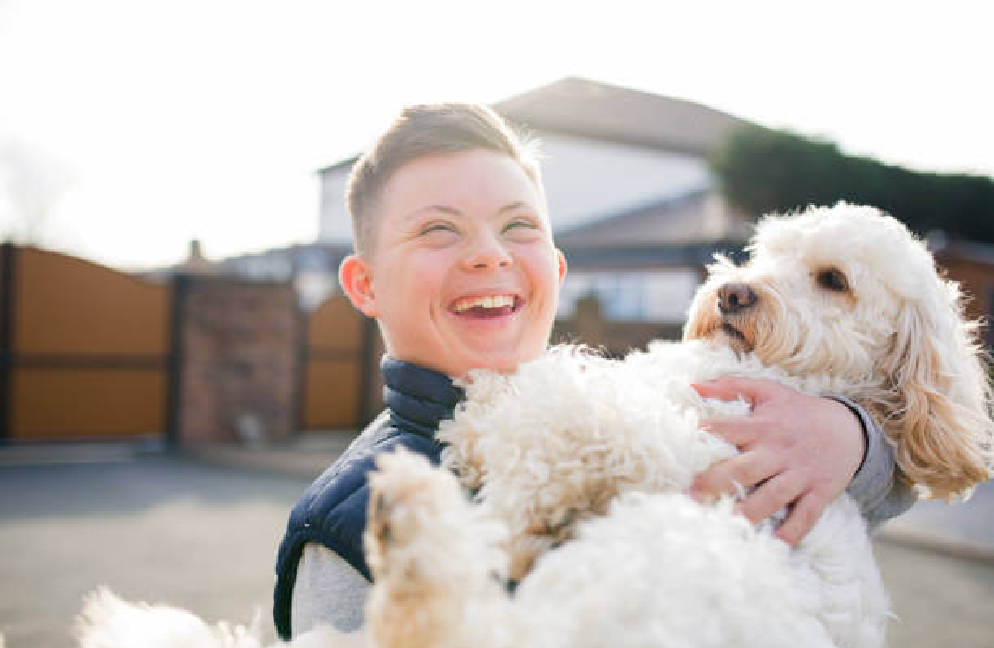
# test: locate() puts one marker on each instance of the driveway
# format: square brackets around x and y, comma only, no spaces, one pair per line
[202,536]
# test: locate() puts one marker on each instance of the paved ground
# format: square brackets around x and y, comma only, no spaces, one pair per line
[201,534]
[153,529]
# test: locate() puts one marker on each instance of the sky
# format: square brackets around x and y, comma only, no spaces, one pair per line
[130,127]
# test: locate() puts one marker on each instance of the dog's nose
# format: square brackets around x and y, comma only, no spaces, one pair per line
[735,297]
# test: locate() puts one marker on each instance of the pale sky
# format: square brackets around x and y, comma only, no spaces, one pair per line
[167,121]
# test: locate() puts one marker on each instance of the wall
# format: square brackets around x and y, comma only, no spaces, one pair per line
[586,179]
[238,365]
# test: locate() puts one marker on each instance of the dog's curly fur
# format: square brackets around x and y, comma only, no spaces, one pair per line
[579,464]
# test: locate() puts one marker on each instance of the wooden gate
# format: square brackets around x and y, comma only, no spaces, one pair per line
[84,350]
[340,360]
[88,352]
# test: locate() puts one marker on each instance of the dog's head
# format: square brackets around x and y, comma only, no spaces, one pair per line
[849,292]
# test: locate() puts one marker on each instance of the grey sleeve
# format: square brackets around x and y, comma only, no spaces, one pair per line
[327,590]
[875,487]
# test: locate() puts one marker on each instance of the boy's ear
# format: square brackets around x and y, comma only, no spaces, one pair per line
[561,258]
[356,277]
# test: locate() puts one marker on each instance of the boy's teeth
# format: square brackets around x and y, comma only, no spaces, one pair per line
[490,301]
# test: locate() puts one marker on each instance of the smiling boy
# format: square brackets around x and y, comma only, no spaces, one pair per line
[455,260]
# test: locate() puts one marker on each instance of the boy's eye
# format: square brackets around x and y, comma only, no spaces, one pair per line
[437,227]
[520,223]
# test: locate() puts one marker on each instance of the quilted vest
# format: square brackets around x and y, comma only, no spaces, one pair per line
[332,510]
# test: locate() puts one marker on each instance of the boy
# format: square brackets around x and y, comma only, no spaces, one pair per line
[455,259]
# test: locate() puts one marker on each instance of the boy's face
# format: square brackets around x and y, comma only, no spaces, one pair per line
[463,273]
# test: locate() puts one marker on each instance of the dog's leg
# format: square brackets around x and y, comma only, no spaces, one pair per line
[438,572]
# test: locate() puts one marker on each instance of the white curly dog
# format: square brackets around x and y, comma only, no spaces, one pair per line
[579,467]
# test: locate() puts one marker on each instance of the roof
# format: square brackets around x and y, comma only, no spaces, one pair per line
[341,164]
[640,257]
[670,220]
[673,221]
[576,106]
[581,107]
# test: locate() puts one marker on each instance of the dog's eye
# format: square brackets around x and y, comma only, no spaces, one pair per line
[832,279]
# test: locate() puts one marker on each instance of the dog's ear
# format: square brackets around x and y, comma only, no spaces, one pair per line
[942,425]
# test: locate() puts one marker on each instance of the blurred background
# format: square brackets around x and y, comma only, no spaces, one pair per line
[176,361]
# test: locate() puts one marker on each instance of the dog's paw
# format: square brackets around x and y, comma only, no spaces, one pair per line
[410,501]
[430,550]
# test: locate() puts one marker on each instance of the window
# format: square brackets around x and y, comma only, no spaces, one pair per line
[650,296]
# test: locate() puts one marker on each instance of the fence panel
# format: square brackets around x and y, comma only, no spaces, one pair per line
[88,351]
[335,370]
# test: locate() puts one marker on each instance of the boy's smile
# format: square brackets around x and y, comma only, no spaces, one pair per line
[489,306]
[463,273]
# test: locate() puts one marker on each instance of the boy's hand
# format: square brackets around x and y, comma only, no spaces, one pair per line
[795,449]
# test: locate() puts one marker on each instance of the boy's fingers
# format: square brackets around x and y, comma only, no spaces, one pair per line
[802,517]
[771,496]
[730,389]
[737,431]
[726,477]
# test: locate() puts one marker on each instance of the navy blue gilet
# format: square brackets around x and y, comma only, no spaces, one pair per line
[332,510]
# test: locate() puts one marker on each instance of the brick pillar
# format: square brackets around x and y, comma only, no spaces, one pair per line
[7,277]
[237,371]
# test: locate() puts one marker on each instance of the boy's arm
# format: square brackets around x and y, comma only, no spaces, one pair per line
[327,590]
[875,486]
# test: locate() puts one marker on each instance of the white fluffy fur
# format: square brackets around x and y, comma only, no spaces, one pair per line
[592,456]
[601,461]
[107,621]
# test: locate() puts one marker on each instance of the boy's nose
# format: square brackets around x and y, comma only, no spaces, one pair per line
[487,253]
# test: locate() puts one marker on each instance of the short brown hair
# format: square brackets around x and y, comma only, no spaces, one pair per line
[420,131]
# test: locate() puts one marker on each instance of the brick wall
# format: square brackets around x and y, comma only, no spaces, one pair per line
[237,365]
